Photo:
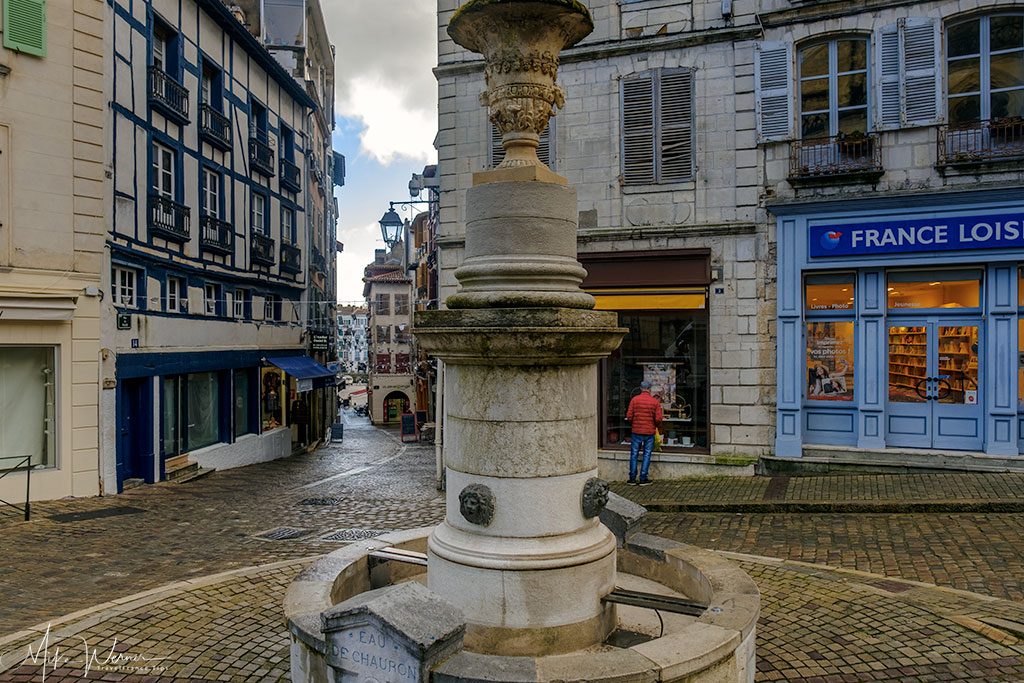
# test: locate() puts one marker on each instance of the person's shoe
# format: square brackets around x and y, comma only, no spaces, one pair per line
[646,482]
[631,482]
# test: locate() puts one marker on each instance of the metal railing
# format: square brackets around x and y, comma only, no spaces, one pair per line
[317,261]
[215,127]
[835,156]
[981,141]
[169,219]
[262,157]
[291,175]
[168,93]
[22,462]
[216,235]
[291,258]
[262,249]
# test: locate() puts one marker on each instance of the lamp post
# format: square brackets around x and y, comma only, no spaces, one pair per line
[391,226]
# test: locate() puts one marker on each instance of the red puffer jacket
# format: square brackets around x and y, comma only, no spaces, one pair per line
[645,414]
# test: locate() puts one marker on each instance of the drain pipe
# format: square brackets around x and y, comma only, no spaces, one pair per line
[439,426]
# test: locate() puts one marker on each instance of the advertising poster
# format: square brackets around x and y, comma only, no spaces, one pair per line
[830,361]
[662,377]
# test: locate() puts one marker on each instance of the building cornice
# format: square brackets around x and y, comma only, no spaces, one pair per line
[620,48]
[827,9]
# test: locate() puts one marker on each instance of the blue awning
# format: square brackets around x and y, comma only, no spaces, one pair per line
[301,367]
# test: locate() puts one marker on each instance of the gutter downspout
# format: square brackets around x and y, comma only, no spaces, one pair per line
[439,427]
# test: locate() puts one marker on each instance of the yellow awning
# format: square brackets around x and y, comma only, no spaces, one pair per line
[648,300]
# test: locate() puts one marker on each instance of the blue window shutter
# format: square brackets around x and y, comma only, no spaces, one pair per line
[25,26]
[772,81]
[338,169]
[920,71]
[888,72]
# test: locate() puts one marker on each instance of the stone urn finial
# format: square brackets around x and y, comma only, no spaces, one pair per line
[520,41]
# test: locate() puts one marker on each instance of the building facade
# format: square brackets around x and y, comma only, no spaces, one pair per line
[807,216]
[391,384]
[209,246]
[353,323]
[53,208]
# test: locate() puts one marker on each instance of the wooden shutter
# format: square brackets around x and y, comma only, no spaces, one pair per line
[920,71]
[25,26]
[638,130]
[772,79]
[887,82]
[544,150]
[675,100]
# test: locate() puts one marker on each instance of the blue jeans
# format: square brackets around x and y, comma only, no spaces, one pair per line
[634,450]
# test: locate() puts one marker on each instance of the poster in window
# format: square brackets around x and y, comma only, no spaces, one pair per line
[662,377]
[830,361]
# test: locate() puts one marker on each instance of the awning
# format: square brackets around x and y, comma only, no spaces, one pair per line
[305,369]
[37,308]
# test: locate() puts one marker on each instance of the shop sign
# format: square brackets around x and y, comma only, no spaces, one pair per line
[986,231]
[320,342]
[303,385]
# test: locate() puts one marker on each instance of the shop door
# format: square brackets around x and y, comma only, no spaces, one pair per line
[934,395]
[135,442]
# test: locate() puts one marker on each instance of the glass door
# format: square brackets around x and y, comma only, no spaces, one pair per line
[934,394]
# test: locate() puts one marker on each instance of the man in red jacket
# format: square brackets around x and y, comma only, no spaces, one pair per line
[644,414]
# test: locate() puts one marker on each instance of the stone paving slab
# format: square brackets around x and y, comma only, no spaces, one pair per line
[818,624]
[954,492]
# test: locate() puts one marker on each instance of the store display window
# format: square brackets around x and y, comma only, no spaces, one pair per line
[830,361]
[669,349]
[28,412]
[833,292]
[924,290]
[190,407]
[272,398]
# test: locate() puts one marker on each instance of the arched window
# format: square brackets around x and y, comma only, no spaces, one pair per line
[985,69]
[833,81]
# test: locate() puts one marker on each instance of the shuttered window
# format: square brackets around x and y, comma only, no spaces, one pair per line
[772,77]
[907,78]
[25,26]
[545,151]
[657,127]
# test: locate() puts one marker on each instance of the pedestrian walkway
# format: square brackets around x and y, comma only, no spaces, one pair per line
[954,492]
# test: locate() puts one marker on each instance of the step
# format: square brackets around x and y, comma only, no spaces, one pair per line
[132,483]
[824,460]
[199,473]
[176,473]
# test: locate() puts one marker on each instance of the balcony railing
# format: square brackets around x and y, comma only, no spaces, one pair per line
[215,127]
[167,94]
[317,261]
[216,236]
[291,258]
[291,176]
[980,142]
[262,157]
[169,219]
[836,157]
[262,249]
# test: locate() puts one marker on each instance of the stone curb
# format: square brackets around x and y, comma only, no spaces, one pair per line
[76,622]
[843,507]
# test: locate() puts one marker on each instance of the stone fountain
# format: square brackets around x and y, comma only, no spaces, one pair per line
[519,578]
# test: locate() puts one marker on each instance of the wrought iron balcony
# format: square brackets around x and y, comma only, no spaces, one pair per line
[291,176]
[262,249]
[261,156]
[842,157]
[169,219]
[168,95]
[215,127]
[291,258]
[982,142]
[317,261]
[217,236]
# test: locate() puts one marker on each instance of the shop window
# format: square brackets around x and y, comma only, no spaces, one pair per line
[240,402]
[272,389]
[190,412]
[670,350]
[953,289]
[28,409]
[830,361]
[829,292]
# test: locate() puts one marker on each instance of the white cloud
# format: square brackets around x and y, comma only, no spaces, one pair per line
[386,50]
[359,245]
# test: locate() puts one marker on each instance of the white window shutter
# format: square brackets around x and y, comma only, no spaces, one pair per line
[675,151]
[638,130]
[888,87]
[921,95]
[772,81]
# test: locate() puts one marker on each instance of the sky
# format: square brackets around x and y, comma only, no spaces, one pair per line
[386,98]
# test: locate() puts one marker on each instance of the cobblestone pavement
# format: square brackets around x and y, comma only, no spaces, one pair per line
[818,625]
[154,535]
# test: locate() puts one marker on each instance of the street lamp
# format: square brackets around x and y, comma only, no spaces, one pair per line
[391,226]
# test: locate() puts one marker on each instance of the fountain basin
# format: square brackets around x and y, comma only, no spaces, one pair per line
[716,647]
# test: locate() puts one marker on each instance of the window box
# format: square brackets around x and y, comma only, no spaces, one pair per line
[217,236]
[169,219]
[291,176]
[291,258]
[168,95]
[261,156]
[215,127]
[262,249]
[841,158]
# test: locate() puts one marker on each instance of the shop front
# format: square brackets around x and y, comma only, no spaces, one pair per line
[901,324]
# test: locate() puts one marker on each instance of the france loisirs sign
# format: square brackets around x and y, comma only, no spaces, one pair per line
[987,231]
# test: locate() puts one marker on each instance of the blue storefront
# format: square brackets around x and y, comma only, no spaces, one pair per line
[901,323]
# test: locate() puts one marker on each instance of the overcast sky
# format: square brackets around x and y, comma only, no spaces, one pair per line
[387,116]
